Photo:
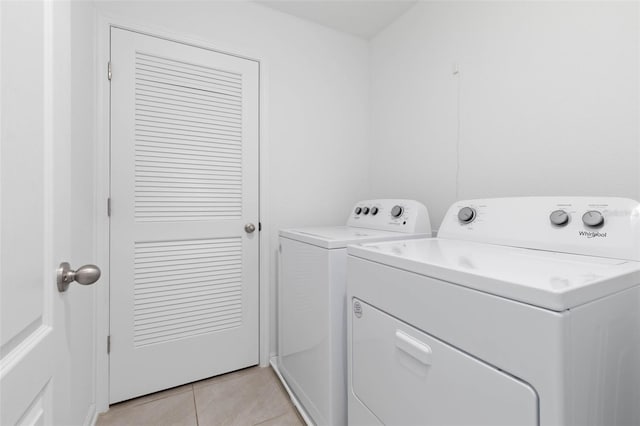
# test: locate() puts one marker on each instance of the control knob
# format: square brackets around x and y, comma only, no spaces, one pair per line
[559,217]
[358,210]
[365,210]
[374,211]
[466,215]
[593,218]
[397,211]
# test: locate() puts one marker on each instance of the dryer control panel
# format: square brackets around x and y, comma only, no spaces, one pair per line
[594,226]
[408,216]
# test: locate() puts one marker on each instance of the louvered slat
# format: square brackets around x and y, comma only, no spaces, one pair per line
[188,136]
[185,288]
[189,68]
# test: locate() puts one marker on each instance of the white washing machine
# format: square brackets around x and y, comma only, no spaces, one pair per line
[312,301]
[524,311]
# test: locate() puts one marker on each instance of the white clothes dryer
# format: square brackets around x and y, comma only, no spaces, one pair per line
[312,303]
[523,311]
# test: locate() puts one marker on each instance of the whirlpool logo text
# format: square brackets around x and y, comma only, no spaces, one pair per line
[592,234]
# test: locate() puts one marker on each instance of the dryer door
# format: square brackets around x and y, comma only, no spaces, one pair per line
[406,377]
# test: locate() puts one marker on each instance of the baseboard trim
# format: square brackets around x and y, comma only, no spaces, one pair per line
[92,416]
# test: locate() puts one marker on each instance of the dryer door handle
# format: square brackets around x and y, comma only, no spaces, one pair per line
[413,347]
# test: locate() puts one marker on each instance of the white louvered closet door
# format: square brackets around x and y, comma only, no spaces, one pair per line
[184,182]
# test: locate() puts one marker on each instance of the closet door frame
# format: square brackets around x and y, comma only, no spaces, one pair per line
[104,24]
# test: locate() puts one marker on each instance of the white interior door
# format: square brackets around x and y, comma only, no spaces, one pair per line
[35,346]
[184,182]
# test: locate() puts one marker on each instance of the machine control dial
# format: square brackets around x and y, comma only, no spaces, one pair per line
[358,210]
[593,218]
[559,217]
[397,211]
[466,215]
[365,210]
[374,211]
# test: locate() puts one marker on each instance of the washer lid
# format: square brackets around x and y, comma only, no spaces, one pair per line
[551,280]
[333,237]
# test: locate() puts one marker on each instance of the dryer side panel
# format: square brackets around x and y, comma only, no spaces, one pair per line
[605,361]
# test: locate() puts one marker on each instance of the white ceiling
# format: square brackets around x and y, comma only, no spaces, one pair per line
[363,18]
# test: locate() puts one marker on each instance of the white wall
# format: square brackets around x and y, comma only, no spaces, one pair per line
[549,97]
[317,104]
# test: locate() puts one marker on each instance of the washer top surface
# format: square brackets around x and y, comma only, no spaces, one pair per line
[335,237]
[551,280]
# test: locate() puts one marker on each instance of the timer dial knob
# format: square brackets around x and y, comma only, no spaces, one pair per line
[593,218]
[559,217]
[397,211]
[466,215]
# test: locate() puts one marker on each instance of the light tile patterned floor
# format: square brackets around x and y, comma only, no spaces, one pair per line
[253,396]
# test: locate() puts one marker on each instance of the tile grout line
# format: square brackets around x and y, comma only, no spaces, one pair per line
[195,405]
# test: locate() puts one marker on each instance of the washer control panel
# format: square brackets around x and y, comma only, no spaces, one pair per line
[397,215]
[598,226]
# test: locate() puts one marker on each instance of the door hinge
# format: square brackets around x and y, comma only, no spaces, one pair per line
[109,344]
[109,206]
[109,72]
[259,226]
